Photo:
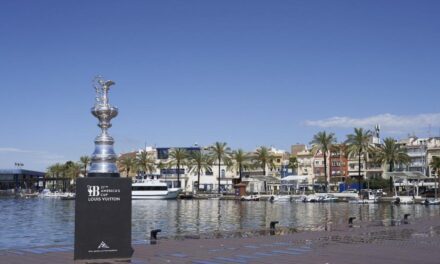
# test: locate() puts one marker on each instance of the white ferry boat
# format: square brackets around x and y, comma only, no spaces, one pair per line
[152,189]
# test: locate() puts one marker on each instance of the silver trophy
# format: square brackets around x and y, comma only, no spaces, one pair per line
[103,162]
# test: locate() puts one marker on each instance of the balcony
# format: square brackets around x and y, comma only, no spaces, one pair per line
[417,154]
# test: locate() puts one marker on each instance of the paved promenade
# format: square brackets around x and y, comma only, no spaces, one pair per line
[418,241]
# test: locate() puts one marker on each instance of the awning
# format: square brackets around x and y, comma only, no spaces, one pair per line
[294,178]
[409,175]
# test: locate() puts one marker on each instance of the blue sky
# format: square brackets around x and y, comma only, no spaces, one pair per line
[249,73]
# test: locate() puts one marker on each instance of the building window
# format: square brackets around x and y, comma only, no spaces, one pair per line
[162,153]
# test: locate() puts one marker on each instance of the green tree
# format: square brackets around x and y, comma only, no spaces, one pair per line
[435,165]
[56,171]
[178,158]
[323,142]
[390,153]
[358,144]
[199,161]
[84,161]
[70,170]
[241,161]
[145,163]
[263,158]
[293,163]
[128,163]
[220,153]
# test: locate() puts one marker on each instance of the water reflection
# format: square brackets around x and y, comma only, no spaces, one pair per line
[39,222]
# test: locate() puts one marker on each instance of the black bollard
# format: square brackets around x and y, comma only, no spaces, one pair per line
[350,221]
[397,201]
[405,218]
[272,224]
[272,227]
[153,235]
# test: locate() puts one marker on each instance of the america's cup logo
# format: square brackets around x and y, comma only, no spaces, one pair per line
[93,190]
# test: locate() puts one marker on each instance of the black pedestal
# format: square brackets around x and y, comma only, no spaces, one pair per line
[103,218]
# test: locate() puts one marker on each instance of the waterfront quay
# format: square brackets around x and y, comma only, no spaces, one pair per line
[415,241]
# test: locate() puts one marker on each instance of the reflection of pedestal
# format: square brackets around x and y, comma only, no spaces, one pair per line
[103,218]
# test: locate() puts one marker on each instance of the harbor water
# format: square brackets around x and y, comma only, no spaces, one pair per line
[38,222]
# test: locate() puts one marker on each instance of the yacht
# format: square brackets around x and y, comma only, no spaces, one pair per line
[152,189]
[366,197]
[280,198]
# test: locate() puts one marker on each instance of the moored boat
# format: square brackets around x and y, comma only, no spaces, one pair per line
[366,197]
[250,198]
[328,198]
[152,189]
[431,201]
[281,198]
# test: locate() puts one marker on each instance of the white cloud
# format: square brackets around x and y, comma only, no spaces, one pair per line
[388,122]
[16,150]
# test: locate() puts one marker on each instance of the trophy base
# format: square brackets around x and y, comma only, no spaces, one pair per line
[102,175]
[103,218]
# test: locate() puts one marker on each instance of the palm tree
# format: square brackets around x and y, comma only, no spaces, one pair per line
[199,161]
[127,164]
[323,142]
[359,144]
[293,163]
[55,170]
[70,170]
[220,152]
[435,165]
[390,153]
[84,161]
[145,162]
[178,158]
[241,159]
[263,158]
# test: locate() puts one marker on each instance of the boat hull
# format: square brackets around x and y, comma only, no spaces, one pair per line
[170,195]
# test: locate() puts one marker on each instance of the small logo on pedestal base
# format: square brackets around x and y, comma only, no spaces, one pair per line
[103,245]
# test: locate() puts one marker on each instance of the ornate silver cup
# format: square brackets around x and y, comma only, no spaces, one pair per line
[103,162]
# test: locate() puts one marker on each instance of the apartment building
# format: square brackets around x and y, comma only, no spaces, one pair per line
[433,149]
[416,148]
[305,163]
